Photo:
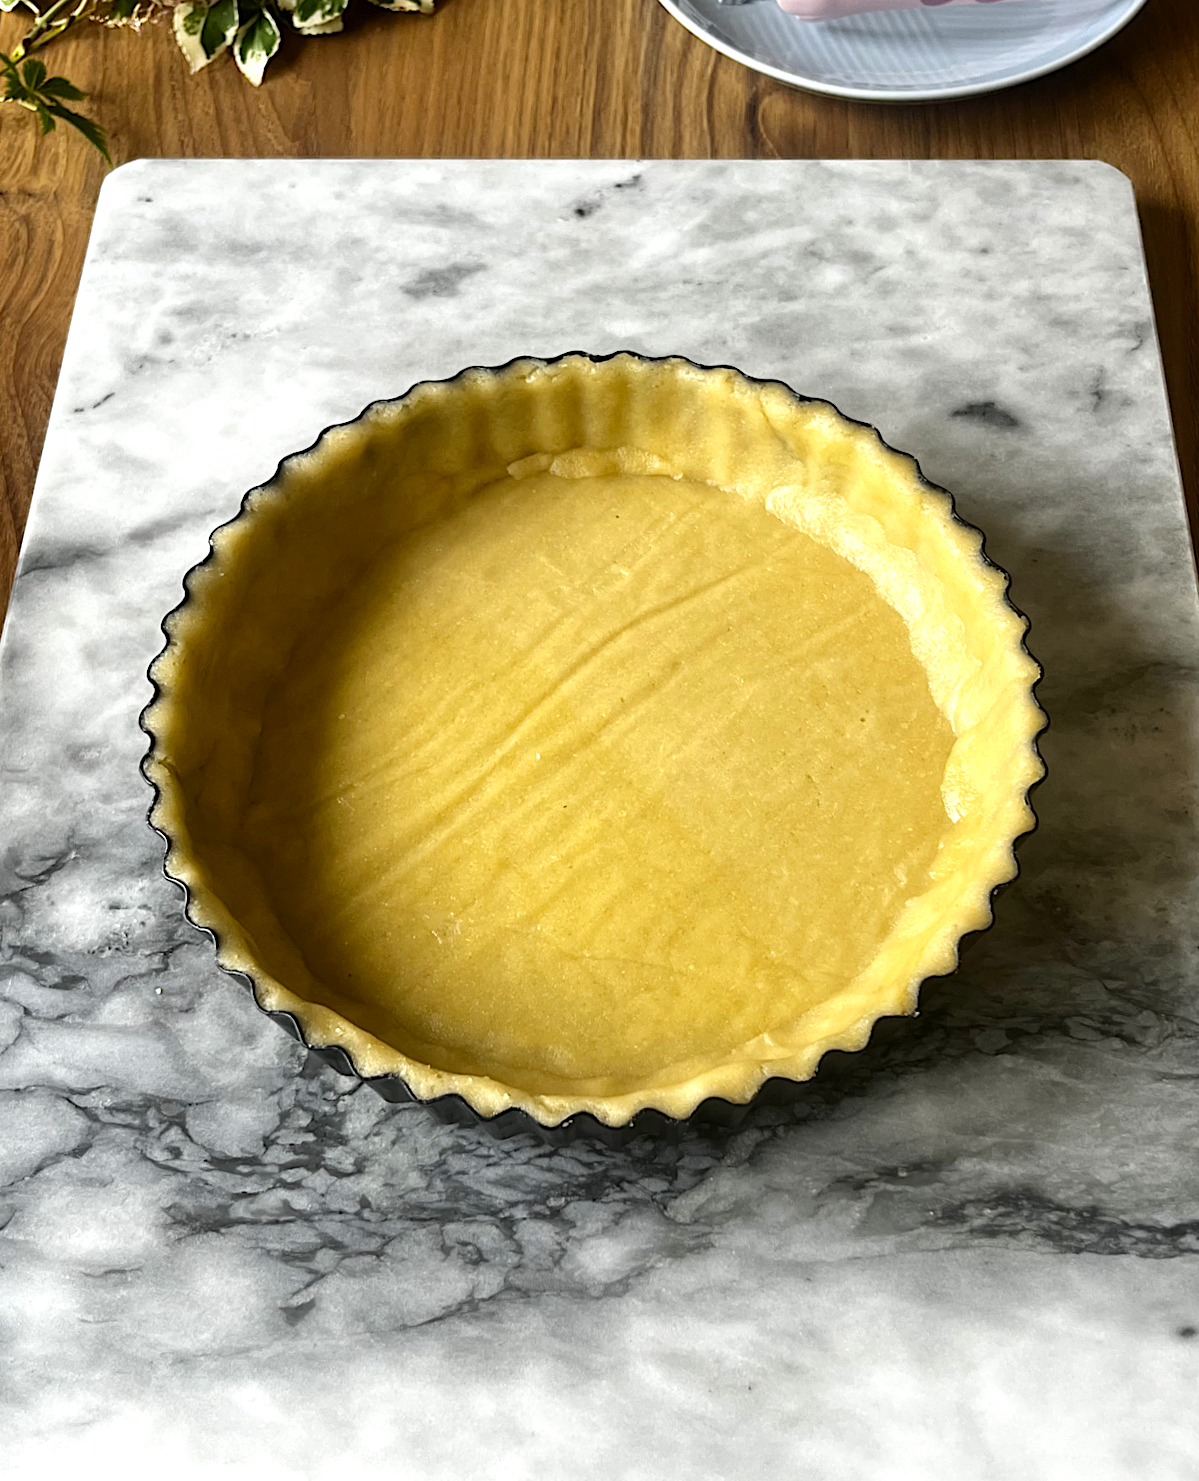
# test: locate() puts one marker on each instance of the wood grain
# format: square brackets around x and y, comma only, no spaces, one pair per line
[543,78]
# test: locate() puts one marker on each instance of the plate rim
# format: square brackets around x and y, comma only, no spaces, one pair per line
[891,95]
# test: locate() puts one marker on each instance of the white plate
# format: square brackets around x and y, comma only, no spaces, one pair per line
[907,56]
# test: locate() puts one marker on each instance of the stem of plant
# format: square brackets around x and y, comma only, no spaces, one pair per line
[48,25]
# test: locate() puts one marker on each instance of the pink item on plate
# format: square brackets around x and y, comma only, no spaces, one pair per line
[829,10]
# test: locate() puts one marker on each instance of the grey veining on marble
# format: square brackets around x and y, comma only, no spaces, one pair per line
[971,1252]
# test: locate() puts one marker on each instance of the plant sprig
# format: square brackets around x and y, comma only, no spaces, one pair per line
[204,29]
[27,83]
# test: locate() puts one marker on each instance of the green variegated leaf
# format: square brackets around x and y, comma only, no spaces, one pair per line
[121,10]
[9,4]
[424,6]
[188,22]
[315,27]
[316,17]
[257,42]
[220,27]
[203,32]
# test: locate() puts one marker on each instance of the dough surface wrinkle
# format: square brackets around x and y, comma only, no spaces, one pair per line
[604,822]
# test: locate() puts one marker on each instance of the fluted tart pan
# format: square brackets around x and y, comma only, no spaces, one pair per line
[580,743]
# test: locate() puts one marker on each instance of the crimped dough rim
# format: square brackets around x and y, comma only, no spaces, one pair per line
[838,500]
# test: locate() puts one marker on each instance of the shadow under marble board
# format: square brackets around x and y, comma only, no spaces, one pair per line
[971,1251]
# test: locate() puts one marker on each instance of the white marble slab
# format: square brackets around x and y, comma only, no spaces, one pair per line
[974,1253]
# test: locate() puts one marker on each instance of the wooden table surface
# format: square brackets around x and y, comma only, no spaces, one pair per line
[591,78]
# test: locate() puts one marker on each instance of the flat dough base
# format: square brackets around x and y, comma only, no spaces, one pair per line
[593,780]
